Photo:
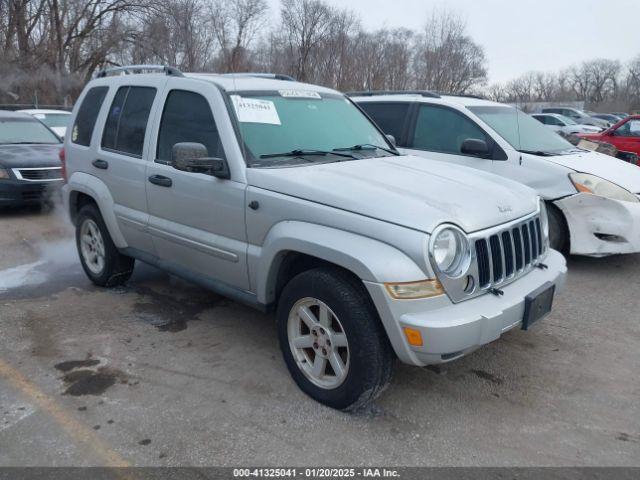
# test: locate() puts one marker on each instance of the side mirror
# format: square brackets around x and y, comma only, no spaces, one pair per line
[392,140]
[475,147]
[194,158]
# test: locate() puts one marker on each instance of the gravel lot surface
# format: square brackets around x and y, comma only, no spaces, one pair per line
[161,372]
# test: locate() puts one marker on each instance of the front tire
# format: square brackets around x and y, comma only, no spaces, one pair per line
[558,230]
[102,262]
[332,340]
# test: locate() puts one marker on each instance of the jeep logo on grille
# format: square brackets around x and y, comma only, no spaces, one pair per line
[504,208]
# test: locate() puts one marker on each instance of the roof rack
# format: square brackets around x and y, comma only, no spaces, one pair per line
[275,76]
[462,95]
[375,93]
[131,69]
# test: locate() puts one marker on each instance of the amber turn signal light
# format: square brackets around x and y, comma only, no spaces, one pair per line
[414,337]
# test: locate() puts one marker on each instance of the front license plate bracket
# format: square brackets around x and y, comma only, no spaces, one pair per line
[538,304]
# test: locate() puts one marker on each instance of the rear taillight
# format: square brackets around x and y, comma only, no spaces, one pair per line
[63,161]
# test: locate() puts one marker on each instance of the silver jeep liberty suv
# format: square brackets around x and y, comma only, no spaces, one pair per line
[285,196]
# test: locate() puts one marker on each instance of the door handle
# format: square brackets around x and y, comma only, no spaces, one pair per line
[160,180]
[101,164]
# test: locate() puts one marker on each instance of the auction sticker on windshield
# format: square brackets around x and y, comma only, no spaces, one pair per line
[254,110]
[299,94]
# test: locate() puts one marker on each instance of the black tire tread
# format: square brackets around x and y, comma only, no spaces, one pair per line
[373,341]
[118,267]
[558,223]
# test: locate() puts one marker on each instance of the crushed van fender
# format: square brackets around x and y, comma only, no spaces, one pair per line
[601,226]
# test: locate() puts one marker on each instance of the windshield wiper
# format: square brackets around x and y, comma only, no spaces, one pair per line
[539,153]
[367,146]
[304,152]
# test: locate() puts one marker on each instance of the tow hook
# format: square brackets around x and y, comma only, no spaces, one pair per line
[497,292]
[542,266]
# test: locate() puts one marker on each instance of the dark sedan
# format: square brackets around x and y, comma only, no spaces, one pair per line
[30,168]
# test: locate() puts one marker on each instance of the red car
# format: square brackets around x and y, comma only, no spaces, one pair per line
[624,135]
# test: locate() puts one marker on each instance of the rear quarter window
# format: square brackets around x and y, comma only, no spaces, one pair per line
[87,115]
[127,119]
[390,117]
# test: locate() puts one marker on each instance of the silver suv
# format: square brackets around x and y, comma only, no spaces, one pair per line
[285,196]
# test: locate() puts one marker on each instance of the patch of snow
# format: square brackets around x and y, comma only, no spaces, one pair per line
[22,275]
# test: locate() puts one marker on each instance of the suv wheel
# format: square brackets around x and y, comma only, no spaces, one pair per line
[100,259]
[558,231]
[332,340]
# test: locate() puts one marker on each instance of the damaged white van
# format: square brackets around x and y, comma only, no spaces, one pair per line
[593,199]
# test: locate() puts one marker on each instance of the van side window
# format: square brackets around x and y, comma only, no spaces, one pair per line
[127,119]
[187,117]
[390,117]
[444,130]
[87,116]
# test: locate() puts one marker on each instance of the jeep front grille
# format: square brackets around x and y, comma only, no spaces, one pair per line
[499,256]
[508,253]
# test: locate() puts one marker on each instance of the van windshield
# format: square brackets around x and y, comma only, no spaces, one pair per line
[523,132]
[304,127]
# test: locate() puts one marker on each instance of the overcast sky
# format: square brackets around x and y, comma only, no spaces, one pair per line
[521,35]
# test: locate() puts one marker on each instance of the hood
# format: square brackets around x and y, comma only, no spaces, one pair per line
[14,156]
[604,166]
[405,190]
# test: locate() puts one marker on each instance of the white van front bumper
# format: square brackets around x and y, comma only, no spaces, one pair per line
[600,226]
[451,330]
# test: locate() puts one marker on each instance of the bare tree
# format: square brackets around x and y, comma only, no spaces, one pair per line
[55,45]
[447,59]
[305,24]
[497,93]
[174,34]
[632,82]
[604,78]
[235,25]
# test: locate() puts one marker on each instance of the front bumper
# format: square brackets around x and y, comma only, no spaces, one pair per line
[601,226]
[450,330]
[15,193]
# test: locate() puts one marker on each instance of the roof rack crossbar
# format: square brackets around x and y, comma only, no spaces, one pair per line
[463,95]
[275,76]
[131,69]
[375,93]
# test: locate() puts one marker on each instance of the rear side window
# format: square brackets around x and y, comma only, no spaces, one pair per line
[187,118]
[87,115]
[127,120]
[390,117]
[443,130]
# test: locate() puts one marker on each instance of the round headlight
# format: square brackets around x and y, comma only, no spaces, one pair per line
[449,251]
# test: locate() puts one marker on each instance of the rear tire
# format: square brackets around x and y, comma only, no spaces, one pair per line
[332,340]
[102,262]
[558,230]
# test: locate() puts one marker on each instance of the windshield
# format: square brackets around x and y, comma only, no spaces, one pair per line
[14,130]
[307,123]
[567,120]
[522,131]
[54,119]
